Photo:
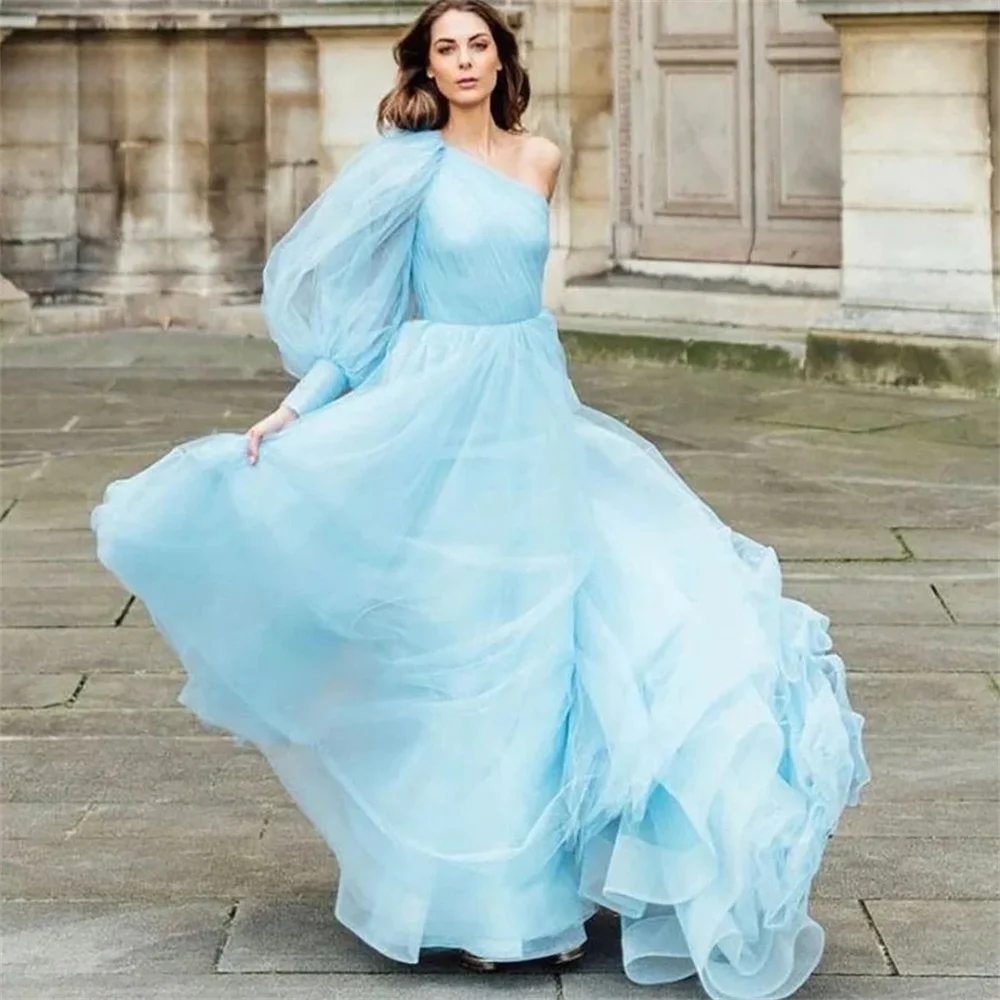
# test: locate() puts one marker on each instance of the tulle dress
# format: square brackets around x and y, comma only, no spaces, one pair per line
[510,666]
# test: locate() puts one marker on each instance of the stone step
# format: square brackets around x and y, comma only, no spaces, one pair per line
[719,303]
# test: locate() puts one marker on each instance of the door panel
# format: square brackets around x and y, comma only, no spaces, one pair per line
[695,193]
[797,137]
[729,117]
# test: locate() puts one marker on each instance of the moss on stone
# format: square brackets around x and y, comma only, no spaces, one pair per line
[714,354]
[973,367]
[966,367]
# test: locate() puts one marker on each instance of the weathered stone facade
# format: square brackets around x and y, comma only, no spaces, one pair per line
[920,129]
[152,152]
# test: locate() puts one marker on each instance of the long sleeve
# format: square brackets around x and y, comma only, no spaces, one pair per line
[324,382]
[337,285]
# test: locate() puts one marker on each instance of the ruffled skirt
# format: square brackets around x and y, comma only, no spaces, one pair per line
[508,664]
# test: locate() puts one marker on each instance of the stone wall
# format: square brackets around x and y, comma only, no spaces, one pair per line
[994,76]
[921,164]
[568,46]
[39,148]
[154,152]
[136,165]
[916,164]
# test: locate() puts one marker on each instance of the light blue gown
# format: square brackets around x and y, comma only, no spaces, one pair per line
[508,664]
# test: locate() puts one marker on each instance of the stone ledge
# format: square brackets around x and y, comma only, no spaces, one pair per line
[948,365]
[238,339]
[932,363]
[924,324]
[195,16]
[851,8]
[15,309]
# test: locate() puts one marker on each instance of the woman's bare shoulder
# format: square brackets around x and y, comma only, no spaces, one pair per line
[542,152]
[541,157]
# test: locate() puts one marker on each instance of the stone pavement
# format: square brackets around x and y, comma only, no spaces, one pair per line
[145,858]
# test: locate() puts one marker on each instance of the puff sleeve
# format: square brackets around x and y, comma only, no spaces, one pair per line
[337,285]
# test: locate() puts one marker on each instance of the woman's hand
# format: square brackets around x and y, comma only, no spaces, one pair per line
[271,424]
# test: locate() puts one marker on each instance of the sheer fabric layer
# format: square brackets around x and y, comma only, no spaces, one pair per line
[507,662]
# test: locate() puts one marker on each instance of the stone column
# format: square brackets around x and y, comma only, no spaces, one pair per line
[183,228]
[919,255]
[130,82]
[355,69]
[38,163]
[993,52]
[293,125]
[15,305]
[568,49]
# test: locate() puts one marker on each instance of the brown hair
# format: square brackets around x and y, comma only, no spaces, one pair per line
[416,105]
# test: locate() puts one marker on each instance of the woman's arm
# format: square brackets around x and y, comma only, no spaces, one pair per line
[324,382]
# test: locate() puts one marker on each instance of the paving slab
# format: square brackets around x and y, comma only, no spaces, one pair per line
[82,938]
[303,936]
[23,545]
[947,817]
[164,869]
[849,460]
[611,987]
[811,543]
[26,691]
[907,768]
[852,947]
[976,428]
[911,868]
[934,543]
[302,987]
[926,704]
[128,691]
[45,607]
[869,602]
[900,648]
[160,436]
[54,412]
[33,574]
[73,722]
[296,935]
[974,601]
[87,650]
[709,472]
[229,826]
[853,411]
[204,769]
[286,824]
[51,377]
[39,821]
[82,479]
[137,616]
[162,816]
[940,937]
[15,479]
[49,514]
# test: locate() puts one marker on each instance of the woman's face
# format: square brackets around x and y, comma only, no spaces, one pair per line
[464,61]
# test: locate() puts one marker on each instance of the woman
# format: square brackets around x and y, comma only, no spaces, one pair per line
[510,666]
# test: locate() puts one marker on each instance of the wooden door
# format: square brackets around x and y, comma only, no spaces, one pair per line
[796,136]
[729,124]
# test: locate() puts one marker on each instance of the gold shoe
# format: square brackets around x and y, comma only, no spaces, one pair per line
[476,964]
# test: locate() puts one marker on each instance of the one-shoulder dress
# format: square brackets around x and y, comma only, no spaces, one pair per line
[509,665]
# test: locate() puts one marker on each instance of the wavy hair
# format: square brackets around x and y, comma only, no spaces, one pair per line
[416,105]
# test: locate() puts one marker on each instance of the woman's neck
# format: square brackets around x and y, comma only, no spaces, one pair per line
[472,129]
